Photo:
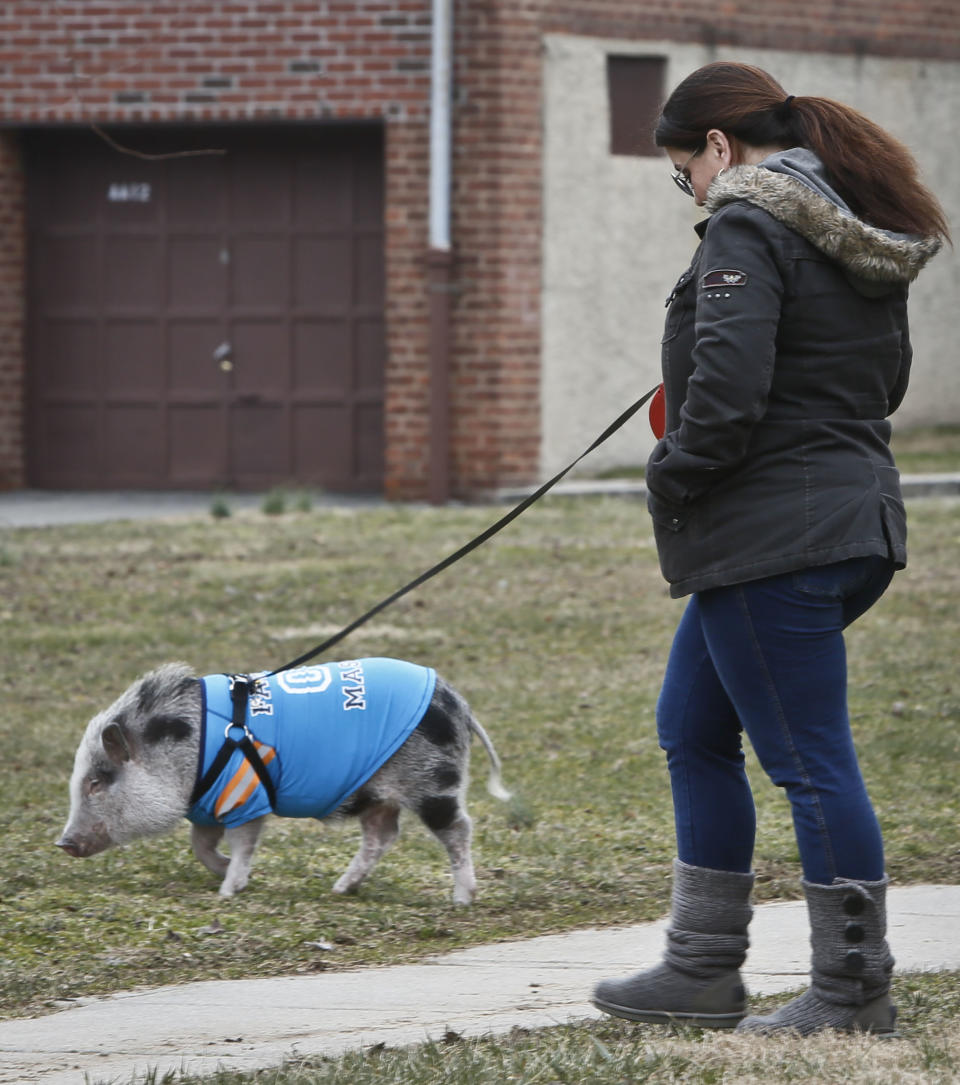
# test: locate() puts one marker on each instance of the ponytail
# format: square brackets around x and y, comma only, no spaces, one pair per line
[874,173]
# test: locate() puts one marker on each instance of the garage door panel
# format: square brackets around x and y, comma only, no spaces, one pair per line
[368,190]
[323,274]
[133,357]
[260,272]
[195,192]
[134,440]
[323,191]
[321,356]
[370,351]
[322,442]
[132,277]
[192,369]
[68,269]
[261,357]
[368,279]
[197,445]
[74,431]
[260,441]
[368,445]
[79,202]
[195,278]
[71,351]
[260,187]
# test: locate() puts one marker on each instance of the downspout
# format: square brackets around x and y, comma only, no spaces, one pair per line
[439,253]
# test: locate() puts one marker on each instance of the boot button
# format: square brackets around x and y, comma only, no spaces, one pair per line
[853,932]
[853,959]
[853,904]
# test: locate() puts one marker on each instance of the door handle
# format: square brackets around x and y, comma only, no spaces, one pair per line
[221,354]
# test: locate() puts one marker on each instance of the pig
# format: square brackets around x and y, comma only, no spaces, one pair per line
[137,767]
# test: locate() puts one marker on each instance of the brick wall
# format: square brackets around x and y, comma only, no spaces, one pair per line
[407,390]
[174,59]
[122,60]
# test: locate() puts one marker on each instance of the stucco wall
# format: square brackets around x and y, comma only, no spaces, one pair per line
[617,233]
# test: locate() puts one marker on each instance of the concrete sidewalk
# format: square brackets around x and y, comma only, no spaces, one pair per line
[50,508]
[251,1024]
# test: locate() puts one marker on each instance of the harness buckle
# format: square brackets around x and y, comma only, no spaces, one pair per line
[243,727]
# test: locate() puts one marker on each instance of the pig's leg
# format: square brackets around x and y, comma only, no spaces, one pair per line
[446,818]
[380,824]
[204,840]
[242,841]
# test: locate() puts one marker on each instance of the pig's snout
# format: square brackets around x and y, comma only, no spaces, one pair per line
[84,844]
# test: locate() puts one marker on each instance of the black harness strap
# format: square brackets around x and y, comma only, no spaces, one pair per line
[240,689]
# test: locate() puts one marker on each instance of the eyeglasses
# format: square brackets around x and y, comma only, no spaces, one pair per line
[681,179]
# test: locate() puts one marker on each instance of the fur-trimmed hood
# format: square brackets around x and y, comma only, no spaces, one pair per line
[793,187]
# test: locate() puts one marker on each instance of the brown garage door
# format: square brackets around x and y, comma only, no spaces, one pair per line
[214,320]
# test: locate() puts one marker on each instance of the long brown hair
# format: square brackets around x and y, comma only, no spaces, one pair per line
[873,172]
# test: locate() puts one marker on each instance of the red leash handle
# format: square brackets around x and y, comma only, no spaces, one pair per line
[658,413]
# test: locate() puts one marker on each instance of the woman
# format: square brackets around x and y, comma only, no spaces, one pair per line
[777,510]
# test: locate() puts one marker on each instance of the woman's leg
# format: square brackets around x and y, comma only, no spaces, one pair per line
[777,646]
[701,734]
[698,981]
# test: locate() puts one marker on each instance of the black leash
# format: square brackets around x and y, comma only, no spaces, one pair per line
[471,545]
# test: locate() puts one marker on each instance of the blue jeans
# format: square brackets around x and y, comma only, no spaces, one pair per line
[767,657]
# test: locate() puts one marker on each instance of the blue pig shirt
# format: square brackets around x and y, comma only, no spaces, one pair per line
[322,731]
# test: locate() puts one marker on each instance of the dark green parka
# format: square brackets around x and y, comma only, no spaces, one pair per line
[786,347]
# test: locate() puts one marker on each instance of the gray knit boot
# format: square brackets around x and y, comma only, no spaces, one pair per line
[850,977]
[698,982]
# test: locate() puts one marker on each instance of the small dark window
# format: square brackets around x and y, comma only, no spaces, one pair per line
[635,91]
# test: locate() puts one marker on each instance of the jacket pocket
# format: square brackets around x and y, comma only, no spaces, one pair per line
[671,517]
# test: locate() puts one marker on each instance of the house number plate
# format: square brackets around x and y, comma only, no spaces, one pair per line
[133,192]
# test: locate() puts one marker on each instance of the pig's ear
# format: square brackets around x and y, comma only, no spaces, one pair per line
[116,744]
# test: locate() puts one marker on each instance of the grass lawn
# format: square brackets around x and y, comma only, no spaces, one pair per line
[557,632]
[929,450]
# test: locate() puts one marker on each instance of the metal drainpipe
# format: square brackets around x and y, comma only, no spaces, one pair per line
[439,253]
